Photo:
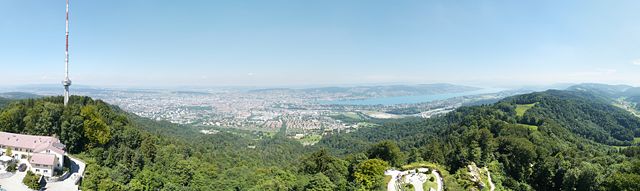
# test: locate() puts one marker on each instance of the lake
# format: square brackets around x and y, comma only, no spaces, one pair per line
[410,99]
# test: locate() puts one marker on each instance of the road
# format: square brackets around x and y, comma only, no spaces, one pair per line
[77,170]
[14,183]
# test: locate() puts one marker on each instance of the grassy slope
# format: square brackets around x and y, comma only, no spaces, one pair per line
[522,108]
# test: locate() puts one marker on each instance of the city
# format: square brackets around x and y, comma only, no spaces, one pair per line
[304,112]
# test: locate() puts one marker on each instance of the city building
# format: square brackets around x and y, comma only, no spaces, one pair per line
[42,154]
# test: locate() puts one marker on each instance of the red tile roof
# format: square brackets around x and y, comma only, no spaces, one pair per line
[45,159]
[35,143]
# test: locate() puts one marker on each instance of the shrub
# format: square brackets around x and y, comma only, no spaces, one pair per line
[8,152]
[12,167]
[32,181]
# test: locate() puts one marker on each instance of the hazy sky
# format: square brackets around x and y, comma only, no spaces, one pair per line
[272,42]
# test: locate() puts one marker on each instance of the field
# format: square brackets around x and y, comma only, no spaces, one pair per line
[367,125]
[352,115]
[522,108]
[349,117]
[530,127]
[310,139]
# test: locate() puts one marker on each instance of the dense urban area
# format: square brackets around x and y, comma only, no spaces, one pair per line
[306,113]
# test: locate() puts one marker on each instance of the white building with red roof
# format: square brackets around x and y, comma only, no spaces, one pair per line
[42,154]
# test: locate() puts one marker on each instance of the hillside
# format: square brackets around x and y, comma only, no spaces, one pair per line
[626,97]
[553,140]
[556,145]
[584,114]
[125,152]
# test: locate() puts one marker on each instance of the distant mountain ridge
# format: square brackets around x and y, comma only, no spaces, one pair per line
[19,95]
[606,90]
[614,93]
[382,90]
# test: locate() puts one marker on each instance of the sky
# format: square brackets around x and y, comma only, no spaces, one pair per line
[321,42]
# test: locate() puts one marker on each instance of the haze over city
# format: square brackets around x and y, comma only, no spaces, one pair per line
[284,43]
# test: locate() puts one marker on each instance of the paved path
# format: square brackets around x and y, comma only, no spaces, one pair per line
[392,183]
[438,180]
[417,179]
[14,183]
[77,170]
[491,185]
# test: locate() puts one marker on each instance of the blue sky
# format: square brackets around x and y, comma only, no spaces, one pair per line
[276,43]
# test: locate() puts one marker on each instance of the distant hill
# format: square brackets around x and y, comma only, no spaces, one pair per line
[4,102]
[381,91]
[190,93]
[634,91]
[614,93]
[19,95]
[602,89]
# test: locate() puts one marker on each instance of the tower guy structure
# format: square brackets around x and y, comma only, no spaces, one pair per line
[67,82]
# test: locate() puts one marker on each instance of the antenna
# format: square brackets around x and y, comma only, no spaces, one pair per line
[66,83]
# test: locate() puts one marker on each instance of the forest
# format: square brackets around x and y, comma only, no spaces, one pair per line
[567,140]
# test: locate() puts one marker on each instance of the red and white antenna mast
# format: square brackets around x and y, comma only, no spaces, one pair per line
[66,83]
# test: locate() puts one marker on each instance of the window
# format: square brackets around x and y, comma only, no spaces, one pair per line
[45,171]
[37,170]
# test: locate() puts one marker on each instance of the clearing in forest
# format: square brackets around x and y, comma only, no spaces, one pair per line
[522,108]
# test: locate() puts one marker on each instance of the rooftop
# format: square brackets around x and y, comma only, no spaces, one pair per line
[45,159]
[33,142]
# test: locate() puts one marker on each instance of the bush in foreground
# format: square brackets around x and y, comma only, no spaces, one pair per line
[32,181]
